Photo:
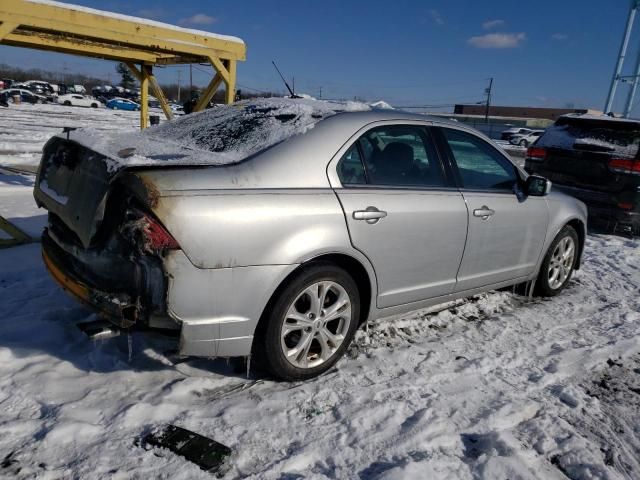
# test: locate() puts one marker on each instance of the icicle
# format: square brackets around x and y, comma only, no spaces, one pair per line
[130,345]
[248,365]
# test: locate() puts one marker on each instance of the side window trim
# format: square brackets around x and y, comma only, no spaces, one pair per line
[447,152]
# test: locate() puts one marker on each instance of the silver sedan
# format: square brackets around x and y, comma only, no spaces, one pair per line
[275,228]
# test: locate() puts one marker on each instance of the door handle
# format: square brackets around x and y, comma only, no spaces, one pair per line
[370,214]
[484,212]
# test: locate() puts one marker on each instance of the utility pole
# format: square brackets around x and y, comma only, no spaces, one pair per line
[486,108]
[293,84]
[179,74]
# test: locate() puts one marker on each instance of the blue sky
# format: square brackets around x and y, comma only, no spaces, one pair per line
[407,52]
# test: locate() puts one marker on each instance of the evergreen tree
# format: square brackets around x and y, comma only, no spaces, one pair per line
[127,79]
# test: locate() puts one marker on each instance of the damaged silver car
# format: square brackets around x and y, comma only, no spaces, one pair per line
[276,227]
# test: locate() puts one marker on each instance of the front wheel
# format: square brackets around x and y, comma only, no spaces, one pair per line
[559,263]
[312,322]
[523,143]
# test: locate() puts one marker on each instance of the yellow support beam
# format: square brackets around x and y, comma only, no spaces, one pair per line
[157,90]
[208,94]
[119,29]
[75,46]
[88,32]
[144,99]
[231,83]
[6,28]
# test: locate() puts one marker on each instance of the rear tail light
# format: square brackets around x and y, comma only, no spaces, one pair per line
[146,231]
[625,205]
[624,165]
[536,154]
[157,237]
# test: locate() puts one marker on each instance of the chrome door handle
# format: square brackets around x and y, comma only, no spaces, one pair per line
[370,214]
[484,212]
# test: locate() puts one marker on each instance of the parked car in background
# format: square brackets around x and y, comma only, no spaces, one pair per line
[26,96]
[122,104]
[73,99]
[249,231]
[527,139]
[510,132]
[594,158]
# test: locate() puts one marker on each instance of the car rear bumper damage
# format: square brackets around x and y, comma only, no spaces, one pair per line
[127,291]
[214,319]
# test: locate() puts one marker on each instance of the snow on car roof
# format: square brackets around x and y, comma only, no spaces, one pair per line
[221,135]
[591,116]
[139,20]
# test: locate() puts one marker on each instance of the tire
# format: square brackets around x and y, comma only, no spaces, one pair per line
[94,105]
[276,341]
[557,267]
[67,103]
[523,143]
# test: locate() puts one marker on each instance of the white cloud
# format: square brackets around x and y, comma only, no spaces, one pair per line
[491,24]
[198,19]
[154,13]
[559,36]
[436,17]
[498,40]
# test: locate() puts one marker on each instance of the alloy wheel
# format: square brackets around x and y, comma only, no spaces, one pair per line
[316,324]
[561,262]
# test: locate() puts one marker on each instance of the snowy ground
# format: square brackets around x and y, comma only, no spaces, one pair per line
[495,387]
[25,128]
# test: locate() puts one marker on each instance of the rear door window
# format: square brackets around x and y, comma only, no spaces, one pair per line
[400,155]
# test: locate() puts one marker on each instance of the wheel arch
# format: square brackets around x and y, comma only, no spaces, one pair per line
[581,230]
[363,276]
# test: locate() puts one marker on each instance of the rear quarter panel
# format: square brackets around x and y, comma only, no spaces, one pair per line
[238,228]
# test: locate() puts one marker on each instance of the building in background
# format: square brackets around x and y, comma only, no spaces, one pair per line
[520,112]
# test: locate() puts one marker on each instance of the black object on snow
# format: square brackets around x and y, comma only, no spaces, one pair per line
[208,454]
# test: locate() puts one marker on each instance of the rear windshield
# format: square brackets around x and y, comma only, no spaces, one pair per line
[247,127]
[615,137]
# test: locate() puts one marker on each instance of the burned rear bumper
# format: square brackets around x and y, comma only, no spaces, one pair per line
[126,290]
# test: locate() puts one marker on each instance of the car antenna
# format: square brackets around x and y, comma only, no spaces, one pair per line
[293,95]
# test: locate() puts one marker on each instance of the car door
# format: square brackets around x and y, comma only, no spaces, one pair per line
[506,228]
[403,212]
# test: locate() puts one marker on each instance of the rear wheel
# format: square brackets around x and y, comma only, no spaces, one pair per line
[558,264]
[67,103]
[312,322]
[523,143]
[94,105]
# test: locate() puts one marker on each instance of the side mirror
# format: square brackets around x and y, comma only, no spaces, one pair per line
[537,186]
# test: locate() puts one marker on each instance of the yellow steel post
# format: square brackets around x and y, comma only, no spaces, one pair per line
[231,83]
[157,91]
[208,94]
[155,87]
[144,97]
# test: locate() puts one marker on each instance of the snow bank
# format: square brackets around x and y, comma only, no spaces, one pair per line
[222,135]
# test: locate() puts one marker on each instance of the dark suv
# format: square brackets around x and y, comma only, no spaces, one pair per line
[595,159]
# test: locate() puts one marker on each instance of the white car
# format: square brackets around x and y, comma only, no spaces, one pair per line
[526,139]
[78,100]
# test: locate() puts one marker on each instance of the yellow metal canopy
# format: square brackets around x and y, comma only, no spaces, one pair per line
[66,28]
